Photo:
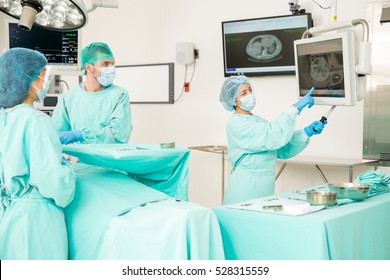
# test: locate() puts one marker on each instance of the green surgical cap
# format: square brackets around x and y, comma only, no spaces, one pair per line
[230,89]
[95,52]
[19,67]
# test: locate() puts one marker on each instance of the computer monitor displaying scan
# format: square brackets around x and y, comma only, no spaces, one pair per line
[61,48]
[327,63]
[262,46]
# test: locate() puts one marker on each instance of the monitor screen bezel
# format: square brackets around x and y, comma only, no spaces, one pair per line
[349,73]
[261,71]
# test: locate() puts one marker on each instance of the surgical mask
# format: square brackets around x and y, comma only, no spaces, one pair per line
[248,102]
[41,93]
[107,75]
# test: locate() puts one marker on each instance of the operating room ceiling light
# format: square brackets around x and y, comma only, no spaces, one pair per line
[50,14]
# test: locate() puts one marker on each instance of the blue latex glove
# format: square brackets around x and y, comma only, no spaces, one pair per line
[315,128]
[306,100]
[67,137]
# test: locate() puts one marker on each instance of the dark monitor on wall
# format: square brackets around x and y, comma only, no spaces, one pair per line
[61,48]
[262,46]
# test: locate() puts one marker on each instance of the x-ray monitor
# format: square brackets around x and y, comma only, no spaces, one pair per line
[327,63]
[262,46]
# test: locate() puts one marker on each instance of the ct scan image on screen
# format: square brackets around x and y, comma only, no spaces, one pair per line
[261,49]
[262,46]
[321,65]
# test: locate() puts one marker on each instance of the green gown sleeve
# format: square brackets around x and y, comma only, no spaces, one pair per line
[297,144]
[118,128]
[60,116]
[53,176]
[254,134]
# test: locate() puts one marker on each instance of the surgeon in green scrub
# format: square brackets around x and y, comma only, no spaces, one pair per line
[36,182]
[95,111]
[254,143]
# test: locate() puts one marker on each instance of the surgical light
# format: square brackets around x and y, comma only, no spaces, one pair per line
[58,15]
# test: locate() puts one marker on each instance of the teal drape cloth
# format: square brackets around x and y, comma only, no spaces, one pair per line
[101,195]
[164,230]
[112,216]
[129,204]
[354,231]
[165,170]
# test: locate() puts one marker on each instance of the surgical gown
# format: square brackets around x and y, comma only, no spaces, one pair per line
[254,144]
[36,183]
[102,117]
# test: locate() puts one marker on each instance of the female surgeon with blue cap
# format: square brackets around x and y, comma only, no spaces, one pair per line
[36,182]
[254,143]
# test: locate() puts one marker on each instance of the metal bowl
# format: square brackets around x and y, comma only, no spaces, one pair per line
[169,145]
[352,191]
[327,198]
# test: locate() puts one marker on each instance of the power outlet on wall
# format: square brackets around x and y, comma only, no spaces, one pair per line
[196,53]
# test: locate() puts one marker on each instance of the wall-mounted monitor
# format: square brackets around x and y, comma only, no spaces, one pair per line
[61,48]
[147,83]
[327,62]
[262,46]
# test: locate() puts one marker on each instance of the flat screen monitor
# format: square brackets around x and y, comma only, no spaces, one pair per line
[327,63]
[147,83]
[262,46]
[49,103]
[61,48]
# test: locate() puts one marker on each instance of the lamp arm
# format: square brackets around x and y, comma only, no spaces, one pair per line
[102,4]
[326,28]
[338,25]
[364,66]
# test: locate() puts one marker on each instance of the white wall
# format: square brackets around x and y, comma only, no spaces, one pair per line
[142,32]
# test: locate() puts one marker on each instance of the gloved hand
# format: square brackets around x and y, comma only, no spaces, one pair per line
[306,100]
[315,128]
[67,137]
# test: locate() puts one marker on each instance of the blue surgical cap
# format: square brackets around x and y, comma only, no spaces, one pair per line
[19,67]
[95,52]
[230,89]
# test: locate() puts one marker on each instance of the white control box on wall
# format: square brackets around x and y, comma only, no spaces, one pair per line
[185,53]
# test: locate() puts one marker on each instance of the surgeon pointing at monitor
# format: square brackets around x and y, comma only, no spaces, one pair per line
[95,111]
[254,144]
